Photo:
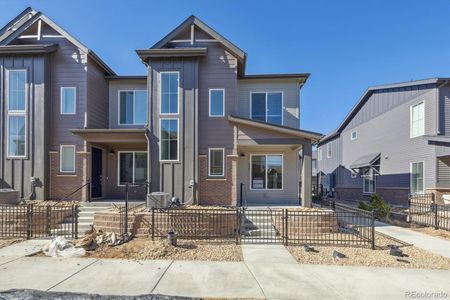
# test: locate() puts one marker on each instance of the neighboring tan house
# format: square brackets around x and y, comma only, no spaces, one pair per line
[394,142]
[196,126]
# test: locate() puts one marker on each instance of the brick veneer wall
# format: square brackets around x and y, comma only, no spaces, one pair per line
[218,191]
[62,184]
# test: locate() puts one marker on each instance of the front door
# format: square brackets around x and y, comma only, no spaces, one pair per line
[96,176]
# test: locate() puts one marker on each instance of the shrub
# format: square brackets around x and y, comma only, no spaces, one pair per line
[376,204]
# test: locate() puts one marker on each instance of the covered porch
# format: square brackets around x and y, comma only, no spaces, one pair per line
[118,160]
[274,163]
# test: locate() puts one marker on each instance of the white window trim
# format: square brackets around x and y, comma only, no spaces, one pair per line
[374,185]
[61,158]
[329,150]
[178,140]
[134,105]
[411,119]
[160,93]
[282,171]
[223,104]
[61,100]
[134,169]
[411,176]
[319,154]
[19,113]
[209,162]
[356,135]
[268,92]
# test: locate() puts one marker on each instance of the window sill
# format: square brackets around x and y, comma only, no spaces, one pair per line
[68,174]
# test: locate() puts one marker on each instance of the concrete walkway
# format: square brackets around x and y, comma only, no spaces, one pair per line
[267,272]
[430,243]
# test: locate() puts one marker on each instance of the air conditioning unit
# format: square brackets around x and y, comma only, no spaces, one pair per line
[158,200]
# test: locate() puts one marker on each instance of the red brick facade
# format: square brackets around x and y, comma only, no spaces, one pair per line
[218,191]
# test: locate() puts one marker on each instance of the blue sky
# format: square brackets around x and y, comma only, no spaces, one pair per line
[345,45]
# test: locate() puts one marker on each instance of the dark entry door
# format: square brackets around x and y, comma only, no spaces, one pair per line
[96,178]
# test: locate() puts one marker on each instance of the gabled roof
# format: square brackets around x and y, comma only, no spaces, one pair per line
[193,20]
[28,17]
[365,97]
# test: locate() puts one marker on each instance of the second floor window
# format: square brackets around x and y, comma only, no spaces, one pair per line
[133,107]
[329,149]
[216,102]
[319,153]
[418,120]
[17,113]
[168,140]
[267,107]
[169,86]
[68,100]
[354,135]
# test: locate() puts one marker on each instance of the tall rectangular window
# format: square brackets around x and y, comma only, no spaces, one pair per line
[132,167]
[368,181]
[329,150]
[169,86]
[216,162]
[216,102]
[133,107]
[319,153]
[417,176]
[418,120]
[168,139]
[67,158]
[16,113]
[267,107]
[68,100]
[266,171]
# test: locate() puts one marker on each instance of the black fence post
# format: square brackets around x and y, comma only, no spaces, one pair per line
[286,233]
[75,221]
[238,226]
[333,206]
[436,223]
[372,228]
[29,221]
[48,218]
[153,223]
[89,190]
[240,195]
[126,208]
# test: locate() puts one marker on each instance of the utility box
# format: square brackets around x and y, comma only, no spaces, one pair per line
[158,200]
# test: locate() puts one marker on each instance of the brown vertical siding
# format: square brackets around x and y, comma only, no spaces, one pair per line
[97,96]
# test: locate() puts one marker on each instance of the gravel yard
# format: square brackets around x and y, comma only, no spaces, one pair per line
[7,242]
[413,256]
[144,248]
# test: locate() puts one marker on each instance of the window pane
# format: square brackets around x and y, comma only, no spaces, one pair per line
[16,140]
[274,171]
[16,90]
[140,172]
[125,168]
[68,159]
[258,172]
[259,106]
[274,109]
[417,171]
[169,93]
[418,120]
[68,100]
[216,162]
[126,107]
[140,107]
[169,139]
[216,103]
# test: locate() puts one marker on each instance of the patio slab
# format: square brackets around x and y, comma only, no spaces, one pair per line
[25,248]
[209,280]
[40,273]
[116,277]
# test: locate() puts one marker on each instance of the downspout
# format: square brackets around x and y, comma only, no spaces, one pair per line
[147,136]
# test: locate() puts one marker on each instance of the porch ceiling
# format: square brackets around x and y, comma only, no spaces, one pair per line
[111,136]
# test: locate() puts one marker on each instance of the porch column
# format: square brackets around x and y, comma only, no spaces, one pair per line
[305,193]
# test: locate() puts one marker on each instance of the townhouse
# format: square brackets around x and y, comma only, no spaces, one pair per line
[195,126]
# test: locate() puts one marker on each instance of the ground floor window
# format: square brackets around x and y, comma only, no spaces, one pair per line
[266,171]
[368,181]
[417,174]
[132,167]
[216,162]
[67,158]
[168,140]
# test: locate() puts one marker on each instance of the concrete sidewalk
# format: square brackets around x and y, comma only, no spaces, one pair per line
[205,279]
[429,243]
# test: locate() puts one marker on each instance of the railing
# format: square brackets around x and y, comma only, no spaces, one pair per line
[424,210]
[32,221]
[131,194]
[88,184]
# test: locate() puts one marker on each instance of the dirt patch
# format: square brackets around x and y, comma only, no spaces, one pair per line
[145,248]
[413,257]
[7,242]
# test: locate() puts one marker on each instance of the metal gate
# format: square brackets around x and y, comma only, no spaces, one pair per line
[262,226]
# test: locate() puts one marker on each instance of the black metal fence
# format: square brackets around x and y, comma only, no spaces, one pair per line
[32,221]
[131,205]
[424,210]
[345,226]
